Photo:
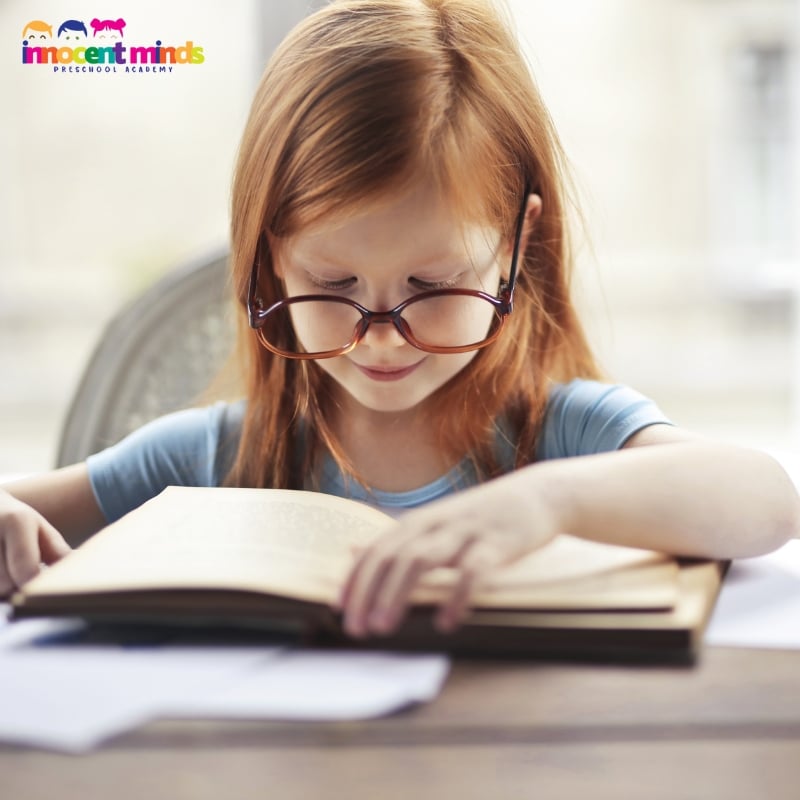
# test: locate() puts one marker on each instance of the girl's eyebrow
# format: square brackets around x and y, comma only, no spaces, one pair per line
[444,259]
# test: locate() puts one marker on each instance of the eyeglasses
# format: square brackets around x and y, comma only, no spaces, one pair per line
[443,321]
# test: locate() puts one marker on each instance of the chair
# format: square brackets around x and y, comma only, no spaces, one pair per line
[156,355]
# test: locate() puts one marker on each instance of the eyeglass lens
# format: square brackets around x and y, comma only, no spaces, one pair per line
[442,321]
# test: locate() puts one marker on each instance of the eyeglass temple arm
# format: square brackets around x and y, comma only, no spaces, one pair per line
[253,302]
[512,277]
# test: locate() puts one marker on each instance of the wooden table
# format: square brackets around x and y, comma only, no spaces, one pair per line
[728,727]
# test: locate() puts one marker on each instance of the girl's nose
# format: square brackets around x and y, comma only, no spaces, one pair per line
[383,334]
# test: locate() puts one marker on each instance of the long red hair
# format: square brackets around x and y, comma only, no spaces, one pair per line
[362,98]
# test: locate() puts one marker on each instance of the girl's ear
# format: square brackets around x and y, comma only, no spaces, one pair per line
[276,262]
[533,211]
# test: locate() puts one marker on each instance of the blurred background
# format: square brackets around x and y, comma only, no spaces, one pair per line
[680,119]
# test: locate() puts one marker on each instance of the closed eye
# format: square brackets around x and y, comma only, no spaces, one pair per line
[331,285]
[430,286]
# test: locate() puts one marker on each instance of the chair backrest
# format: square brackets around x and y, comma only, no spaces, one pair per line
[157,355]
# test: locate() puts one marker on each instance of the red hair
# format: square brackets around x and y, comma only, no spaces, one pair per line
[362,98]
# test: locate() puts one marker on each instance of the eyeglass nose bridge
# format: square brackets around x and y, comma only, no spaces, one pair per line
[393,317]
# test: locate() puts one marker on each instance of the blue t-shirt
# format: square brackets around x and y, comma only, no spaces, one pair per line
[196,447]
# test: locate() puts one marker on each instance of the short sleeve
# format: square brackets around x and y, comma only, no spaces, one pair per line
[586,417]
[195,447]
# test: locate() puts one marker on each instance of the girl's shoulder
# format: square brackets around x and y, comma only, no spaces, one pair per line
[191,429]
[193,447]
[584,417]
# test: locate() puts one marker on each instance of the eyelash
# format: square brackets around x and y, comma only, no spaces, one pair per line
[430,286]
[346,283]
[331,286]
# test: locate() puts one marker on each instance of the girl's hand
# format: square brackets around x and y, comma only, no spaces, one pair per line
[474,532]
[27,540]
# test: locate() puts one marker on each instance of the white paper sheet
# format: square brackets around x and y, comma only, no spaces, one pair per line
[73,697]
[759,605]
[324,685]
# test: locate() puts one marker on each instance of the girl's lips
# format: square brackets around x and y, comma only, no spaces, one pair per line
[378,373]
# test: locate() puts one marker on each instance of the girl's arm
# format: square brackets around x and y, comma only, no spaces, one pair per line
[36,514]
[665,490]
[688,497]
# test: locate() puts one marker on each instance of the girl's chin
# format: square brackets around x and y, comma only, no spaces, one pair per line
[387,401]
[387,405]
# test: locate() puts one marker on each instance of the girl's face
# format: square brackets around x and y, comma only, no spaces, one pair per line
[379,258]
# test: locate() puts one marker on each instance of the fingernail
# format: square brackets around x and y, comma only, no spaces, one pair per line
[379,621]
[444,624]
[353,628]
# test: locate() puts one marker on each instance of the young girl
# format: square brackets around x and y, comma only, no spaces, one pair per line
[400,260]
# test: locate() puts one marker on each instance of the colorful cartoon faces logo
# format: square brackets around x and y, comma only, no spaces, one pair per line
[72,30]
[108,29]
[75,50]
[38,31]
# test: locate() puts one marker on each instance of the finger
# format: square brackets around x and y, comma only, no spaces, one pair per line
[52,545]
[346,591]
[6,584]
[367,576]
[477,561]
[22,551]
[354,588]
[392,598]
[392,593]
[361,586]
[356,552]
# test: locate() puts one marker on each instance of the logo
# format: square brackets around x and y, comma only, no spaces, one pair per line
[100,48]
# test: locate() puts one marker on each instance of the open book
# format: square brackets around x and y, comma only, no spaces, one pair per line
[276,557]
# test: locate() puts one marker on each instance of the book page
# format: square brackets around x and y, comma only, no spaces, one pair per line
[292,543]
[300,544]
[570,573]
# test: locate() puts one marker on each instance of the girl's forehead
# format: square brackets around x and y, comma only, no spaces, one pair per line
[362,240]
[419,222]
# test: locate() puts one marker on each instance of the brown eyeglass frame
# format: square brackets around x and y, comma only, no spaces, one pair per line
[503,306]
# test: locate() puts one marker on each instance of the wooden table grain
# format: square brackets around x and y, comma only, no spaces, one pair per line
[728,727]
